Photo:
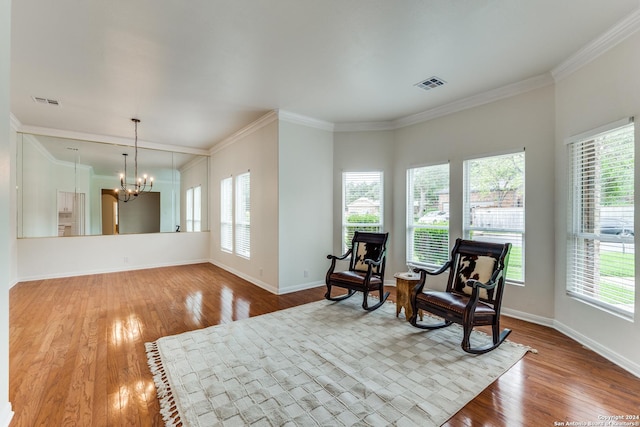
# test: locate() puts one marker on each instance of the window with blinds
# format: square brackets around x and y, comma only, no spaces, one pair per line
[189,209]
[193,208]
[600,243]
[243,215]
[428,215]
[361,204]
[494,207]
[226,214]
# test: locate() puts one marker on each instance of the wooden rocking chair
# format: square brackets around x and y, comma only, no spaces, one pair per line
[473,296]
[366,269]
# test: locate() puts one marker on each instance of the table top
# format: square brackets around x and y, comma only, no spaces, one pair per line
[407,276]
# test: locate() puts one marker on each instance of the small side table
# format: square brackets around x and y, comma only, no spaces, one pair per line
[405,283]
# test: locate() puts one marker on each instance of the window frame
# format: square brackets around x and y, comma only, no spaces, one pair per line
[226,215]
[585,190]
[412,225]
[363,226]
[242,215]
[468,229]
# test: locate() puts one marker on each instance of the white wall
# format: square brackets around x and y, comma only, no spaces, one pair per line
[603,91]
[521,122]
[256,151]
[7,233]
[72,256]
[305,198]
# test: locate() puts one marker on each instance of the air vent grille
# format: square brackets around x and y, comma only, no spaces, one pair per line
[46,101]
[431,83]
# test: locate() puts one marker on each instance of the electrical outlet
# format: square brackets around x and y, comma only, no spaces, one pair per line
[126,260]
[306,273]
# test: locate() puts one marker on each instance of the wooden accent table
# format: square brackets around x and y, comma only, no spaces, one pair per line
[404,285]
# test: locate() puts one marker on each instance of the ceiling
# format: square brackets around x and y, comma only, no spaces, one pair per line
[196,72]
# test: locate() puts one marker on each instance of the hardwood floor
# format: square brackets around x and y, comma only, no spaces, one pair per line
[77,354]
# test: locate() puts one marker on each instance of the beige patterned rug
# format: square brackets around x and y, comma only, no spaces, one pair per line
[322,363]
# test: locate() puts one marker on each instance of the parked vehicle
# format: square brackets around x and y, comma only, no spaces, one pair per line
[433,217]
[616,226]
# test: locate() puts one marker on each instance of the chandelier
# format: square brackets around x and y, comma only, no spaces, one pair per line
[128,191]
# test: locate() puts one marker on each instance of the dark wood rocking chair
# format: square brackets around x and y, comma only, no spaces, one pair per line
[473,296]
[366,269]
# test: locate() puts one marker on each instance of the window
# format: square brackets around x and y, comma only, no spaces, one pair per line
[494,207]
[600,243]
[226,215]
[428,215]
[243,215]
[361,204]
[194,208]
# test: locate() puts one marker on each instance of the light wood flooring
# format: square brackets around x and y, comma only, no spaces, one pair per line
[77,354]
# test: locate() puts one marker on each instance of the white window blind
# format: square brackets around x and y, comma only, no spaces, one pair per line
[361,204]
[197,208]
[226,215]
[601,244]
[189,209]
[243,215]
[494,205]
[428,215]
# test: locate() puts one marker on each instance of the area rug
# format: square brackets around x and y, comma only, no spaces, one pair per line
[322,363]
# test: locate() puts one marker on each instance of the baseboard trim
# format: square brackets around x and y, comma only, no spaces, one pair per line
[528,317]
[6,414]
[259,283]
[623,362]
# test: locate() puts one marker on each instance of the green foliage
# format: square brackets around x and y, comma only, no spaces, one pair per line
[428,245]
[363,218]
[497,176]
[615,294]
[360,219]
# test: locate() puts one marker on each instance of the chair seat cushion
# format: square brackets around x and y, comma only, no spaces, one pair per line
[353,278]
[451,302]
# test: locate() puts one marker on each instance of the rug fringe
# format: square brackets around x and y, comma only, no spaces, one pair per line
[168,407]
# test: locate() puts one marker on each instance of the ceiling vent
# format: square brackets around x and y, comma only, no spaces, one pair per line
[45,101]
[431,83]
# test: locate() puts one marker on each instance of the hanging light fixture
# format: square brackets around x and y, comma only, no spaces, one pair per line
[128,191]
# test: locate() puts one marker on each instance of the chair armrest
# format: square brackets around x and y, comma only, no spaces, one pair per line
[369,261]
[440,270]
[477,284]
[339,258]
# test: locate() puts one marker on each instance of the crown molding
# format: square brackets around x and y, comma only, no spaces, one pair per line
[503,92]
[618,33]
[288,116]
[270,117]
[92,137]
[14,122]
[365,126]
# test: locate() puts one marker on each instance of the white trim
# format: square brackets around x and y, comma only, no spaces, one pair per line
[615,35]
[114,140]
[301,287]
[14,122]
[6,414]
[298,119]
[365,126]
[528,317]
[250,279]
[487,97]
[623,362]
[594,133]
[247,130]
